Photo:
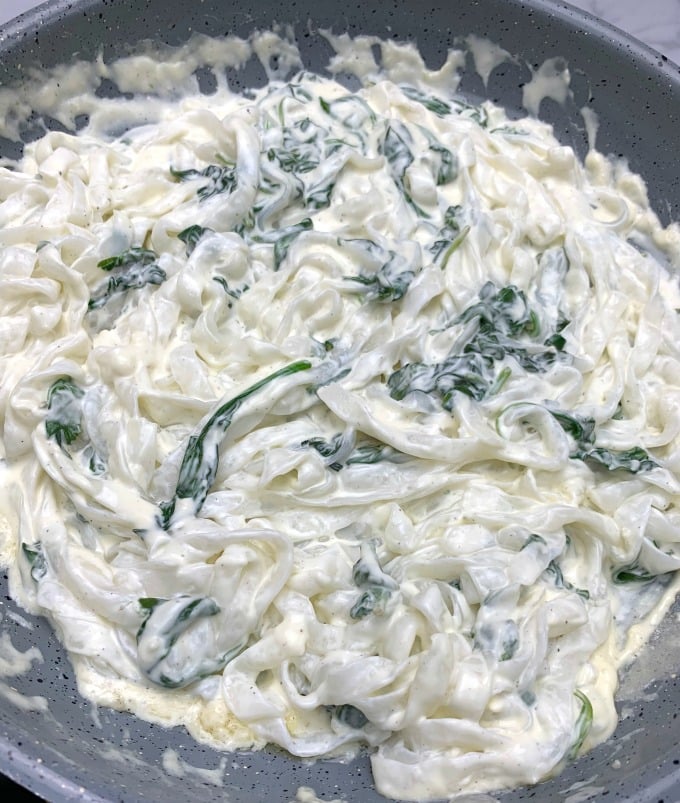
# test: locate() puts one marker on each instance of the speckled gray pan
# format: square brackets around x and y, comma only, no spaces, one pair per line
[75,752]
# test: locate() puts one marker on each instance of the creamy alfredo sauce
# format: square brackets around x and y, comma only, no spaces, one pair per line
[337,419]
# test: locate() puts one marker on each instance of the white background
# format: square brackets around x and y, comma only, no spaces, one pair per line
[655,22]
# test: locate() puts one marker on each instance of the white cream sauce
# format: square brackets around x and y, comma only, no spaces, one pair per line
[13,663]
[550,80]
[177,767]
[331,468]
[306,794]
[487,56]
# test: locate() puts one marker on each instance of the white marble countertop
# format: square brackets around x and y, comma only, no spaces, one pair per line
[655,22]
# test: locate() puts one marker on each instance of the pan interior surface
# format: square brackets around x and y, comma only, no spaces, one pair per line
[78,752]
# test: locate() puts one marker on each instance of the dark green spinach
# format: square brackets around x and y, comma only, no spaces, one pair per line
[132,270]
[201,458]
[235,294]
[378,586]
[282,239]
[430,102]
[553,570]
[64,405]
[133,256]
[389,283]
[36,560]
[367,453]
[221,179]
[583,725]
[633,460]
[633,573]
[503,326]
[190,237]
[350,716]
[450,236]
[165,622]
[396,149]
[582,430]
